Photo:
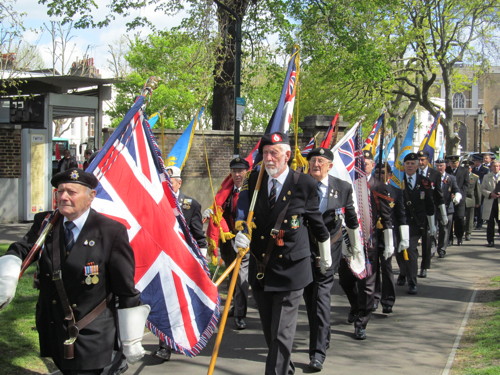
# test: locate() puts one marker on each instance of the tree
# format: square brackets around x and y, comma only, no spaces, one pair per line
[181,63]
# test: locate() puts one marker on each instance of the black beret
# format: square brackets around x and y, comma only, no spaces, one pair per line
[320,151]
[453,158]
[367,155]
[239,163]
[273,139]
[75,176]
[410,156]
[440,161]
[423,154]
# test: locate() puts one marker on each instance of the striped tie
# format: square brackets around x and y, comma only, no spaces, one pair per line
[69,239]
[272,194]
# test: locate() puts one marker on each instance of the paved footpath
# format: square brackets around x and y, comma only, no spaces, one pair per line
[419,337]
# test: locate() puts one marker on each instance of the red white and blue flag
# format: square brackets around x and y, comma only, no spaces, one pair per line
[170,273]
[349,166]
[309,147]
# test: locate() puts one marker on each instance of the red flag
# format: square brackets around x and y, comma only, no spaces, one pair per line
[327,141]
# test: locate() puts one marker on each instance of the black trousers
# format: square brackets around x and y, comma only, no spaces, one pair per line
[490,229]
[278,313]
[409,268]
[360,293]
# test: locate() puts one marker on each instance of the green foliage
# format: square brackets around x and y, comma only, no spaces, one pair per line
[18,335]
[181,63]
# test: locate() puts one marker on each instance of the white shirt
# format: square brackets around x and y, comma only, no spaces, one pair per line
[423,172]
[280,180]
[79,223]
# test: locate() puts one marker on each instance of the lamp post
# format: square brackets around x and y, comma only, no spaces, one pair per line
[480,115]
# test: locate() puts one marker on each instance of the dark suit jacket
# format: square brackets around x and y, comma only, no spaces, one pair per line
[462,176]
[449,187]
[480,171]
[398,213]
[289,266]
[435,177]
[339,203]
[102,242]
[419,201]
[191,210]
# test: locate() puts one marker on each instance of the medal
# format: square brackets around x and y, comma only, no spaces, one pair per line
[88,280]
[294,223]
[95,279]
[91,272]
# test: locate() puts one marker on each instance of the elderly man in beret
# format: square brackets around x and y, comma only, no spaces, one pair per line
[418,199]
[87,303]
[462,176]
[336,206]
[280,260]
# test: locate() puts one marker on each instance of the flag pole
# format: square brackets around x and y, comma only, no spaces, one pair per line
[237,264]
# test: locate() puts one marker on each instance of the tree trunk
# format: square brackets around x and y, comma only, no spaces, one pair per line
[223,104]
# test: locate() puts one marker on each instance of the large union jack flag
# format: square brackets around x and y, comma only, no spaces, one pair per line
[171,273]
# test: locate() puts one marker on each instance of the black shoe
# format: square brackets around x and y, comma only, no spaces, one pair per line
[360,333]
[315,365]
[450,243]
[467,237]
[412,289]
[386,309]
[401,280]
[441,253]
[240,323]
[490,244]
[352,317]
[375,305]
[459,242]
[423,273]
[163,353]
[231,312]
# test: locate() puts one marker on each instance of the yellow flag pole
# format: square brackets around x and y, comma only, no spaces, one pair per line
[237,264]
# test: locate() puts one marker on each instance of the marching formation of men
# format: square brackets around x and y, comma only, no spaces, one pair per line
[306,229]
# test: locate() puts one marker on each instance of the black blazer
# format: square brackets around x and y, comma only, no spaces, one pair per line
[462,176]
[449,188]
[289,266]
[419,201]
[102,242]
[191,210]
[435,178]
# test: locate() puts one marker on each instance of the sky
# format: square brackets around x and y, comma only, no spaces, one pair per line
[95,41]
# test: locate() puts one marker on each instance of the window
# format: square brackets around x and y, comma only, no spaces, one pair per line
[458,100]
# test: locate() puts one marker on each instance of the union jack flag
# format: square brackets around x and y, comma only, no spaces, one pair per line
[309,147]
[170,273]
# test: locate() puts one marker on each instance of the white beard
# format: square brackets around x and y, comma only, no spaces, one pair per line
[272,171]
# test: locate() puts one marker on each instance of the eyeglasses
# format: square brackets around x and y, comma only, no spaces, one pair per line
[319,160]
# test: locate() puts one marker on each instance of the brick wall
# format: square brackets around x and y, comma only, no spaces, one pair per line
[10,152]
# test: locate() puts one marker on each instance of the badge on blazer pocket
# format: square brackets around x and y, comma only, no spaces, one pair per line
[295,222]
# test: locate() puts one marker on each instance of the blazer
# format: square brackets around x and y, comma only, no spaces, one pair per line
[340,205]
[488,186]
[191,210]
[449,187]
[102,242]
[462,176]
[473,197]
[419,201]
[435,177]
[289,267]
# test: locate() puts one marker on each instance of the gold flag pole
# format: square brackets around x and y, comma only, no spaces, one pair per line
[237,264]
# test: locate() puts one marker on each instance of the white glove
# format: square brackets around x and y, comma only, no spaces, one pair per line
[389,244]
[355,240]
[207,213]
[432,226]
[10,267]
[131,322]
[241,241]
[457,198]
[404,243]
[325,254]
[444,214]
[203,251]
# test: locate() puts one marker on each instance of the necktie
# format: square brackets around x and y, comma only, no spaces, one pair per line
[272,194]
[69,239]
[410,182]
[320,198]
